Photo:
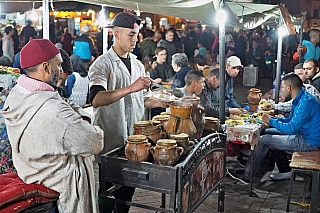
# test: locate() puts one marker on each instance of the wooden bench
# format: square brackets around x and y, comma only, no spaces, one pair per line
[306,162]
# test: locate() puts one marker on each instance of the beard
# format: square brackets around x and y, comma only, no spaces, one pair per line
[54,78]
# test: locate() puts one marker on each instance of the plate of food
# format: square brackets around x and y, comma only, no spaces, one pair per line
[166,98]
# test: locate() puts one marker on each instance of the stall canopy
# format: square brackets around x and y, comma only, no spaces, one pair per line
[201,10]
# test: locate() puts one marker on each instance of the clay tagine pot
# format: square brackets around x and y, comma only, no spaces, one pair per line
[137,148]
[254,97]
[183,141]
[166,152]
[139,126]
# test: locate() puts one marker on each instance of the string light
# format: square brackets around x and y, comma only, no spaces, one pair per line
[241,20]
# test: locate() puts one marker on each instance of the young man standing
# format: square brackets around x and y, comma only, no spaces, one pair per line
[118,91]
[168,44]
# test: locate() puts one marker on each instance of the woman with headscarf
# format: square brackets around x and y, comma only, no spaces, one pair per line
[78,82]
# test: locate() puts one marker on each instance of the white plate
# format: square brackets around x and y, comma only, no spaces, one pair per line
[166,98]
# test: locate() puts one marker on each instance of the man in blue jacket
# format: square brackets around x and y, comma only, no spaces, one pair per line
[302,127]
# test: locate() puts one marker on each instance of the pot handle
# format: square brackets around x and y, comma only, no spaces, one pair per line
[163,134]
[152,150]
[147,144]
[180,150]
[191,143]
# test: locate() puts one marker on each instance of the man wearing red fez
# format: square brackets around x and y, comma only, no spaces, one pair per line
[51,144]
[118,91]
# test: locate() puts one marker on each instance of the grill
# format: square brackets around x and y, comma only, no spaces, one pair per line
[192,180]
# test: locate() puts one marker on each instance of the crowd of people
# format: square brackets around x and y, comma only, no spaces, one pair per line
[66,157]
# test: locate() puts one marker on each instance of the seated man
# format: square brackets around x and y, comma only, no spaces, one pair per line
[301,127]
[196,85]
[180,66]
[286,106]
[51,144]
[311,68]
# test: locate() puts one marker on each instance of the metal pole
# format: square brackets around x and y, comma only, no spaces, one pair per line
[222,70]
[279,56]
[45,17]
[105,31]
[303,15]
[301,36]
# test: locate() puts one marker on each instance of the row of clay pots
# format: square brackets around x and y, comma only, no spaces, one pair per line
[165,153]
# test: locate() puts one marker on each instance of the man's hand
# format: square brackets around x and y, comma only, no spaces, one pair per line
[140,84]
[235,111]
[153,102]
[299,48]
[266,118]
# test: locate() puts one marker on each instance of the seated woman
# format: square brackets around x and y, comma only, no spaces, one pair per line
[150,63]
[78,82]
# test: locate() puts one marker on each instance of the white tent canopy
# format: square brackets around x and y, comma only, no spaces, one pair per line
[201,10]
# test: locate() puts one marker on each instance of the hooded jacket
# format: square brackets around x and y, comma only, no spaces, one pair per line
[304,119]
[315,81]
[51,144]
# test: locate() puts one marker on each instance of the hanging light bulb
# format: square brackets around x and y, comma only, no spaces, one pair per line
[221,16]
[241,19]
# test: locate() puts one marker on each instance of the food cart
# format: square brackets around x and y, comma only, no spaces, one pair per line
[192,180]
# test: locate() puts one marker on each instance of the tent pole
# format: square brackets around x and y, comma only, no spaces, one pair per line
[279,57]
[222,63]
[45,16]
[105,31]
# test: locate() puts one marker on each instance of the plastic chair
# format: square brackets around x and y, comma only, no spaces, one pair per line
[306,162]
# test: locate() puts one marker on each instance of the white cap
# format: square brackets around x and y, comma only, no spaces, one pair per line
[234,61]
[85,28]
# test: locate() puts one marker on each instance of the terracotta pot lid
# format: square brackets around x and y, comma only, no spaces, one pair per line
[142,123]
[165,113]
[179,136]
[155,122]
[137,139]
[161,117]
[166,142]
[211,119]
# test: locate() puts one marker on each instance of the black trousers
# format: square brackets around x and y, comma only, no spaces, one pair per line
[281,159]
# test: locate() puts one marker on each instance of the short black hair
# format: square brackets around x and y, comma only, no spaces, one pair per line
[193,76]
[66,64]
[8,29]
[314,62]
[201,60]
[293,80]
